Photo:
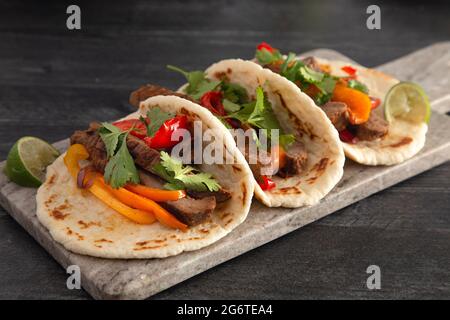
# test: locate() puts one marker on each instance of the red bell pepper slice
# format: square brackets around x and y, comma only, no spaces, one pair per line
[163,137]
[266,183]
[265,45]
[139,130]
[212,100]
[349,70]
[375,102]
[347,136]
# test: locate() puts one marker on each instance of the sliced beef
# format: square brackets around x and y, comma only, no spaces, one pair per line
[296,157]
[191,211]
[337,112]
[143,155]
[221,196]
[374,128]
[94,145]
[188,210]
[150,90]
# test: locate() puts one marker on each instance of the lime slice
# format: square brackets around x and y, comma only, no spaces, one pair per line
[27,161]
[408,101]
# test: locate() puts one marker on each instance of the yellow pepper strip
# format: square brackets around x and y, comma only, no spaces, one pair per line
[156,194]
[139,202]
[77,152]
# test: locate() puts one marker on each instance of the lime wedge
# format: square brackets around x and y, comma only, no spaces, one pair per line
[408,101]
[27,161]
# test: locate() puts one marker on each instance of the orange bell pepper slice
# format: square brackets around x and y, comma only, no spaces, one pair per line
[139,202]
[77,152]
[358,103]
[156,194]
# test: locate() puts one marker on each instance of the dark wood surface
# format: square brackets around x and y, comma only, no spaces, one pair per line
[53,81]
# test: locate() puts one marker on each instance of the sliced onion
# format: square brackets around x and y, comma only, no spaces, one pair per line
[80,178]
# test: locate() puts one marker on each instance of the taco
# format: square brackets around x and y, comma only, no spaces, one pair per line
[119,192]
[302,158]
[353,99]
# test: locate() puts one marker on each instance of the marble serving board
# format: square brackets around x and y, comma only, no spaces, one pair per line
[139,279]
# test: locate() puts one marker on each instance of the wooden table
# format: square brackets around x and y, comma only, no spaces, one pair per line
[54,81]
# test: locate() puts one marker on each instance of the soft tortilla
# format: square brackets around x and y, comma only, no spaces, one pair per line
[83,224]
[299,115]
[404,138]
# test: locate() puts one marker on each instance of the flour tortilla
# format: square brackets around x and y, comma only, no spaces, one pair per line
[83,224]
[404,139]
[297,114]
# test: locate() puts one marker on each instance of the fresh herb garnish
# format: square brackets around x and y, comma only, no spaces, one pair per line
[265,56]
[120,168]
[110,135]
[230,106]
[259,114]
[179,176]
[198,84]
[357,85]
[296,71]
[157,118]
[234,92]
[311,76]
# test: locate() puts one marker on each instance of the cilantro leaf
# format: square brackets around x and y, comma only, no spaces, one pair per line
[327,84]
[244,113]
[179,176]
[110,135]
[263,116]
[290,58]
[198,84]
[234,92]
[230,106]
[259,114]
[157,118]
[120,168]
[201,181]
[357,85]
[264,56]
[203,87]
[171,183]
[310,75]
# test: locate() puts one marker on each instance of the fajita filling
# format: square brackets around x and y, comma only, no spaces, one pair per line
[345,100]
[231,104]
[134,156]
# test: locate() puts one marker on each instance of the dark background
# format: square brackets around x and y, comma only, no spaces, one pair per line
[53,81]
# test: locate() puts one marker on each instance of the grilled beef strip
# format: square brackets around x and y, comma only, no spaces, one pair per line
[188,210]
[94,144]
[150,90]
[337,112]
[193,209]
[296,157]
[374,128]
